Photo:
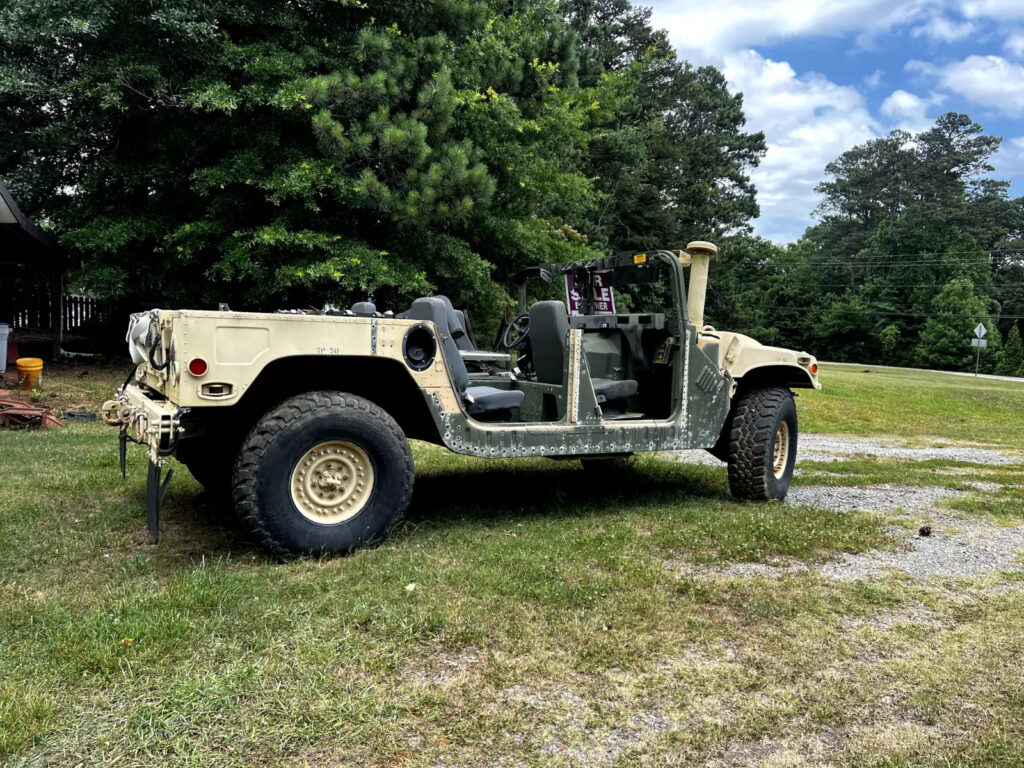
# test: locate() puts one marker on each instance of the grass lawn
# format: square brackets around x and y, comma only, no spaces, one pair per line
[914,404]
[518,616]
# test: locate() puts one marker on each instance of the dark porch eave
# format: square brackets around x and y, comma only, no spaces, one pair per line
[21,241]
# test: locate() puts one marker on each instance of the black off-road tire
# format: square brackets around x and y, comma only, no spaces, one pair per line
[269,455]
[759,419]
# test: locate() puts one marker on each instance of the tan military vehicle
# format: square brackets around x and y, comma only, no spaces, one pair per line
[305,417]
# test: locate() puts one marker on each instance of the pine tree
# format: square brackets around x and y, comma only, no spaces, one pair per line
[1011,361]
[945,339]
[330,149]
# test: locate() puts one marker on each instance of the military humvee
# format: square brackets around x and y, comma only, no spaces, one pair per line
[305,417]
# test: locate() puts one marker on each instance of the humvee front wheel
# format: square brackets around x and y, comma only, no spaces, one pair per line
[762,444]
[322,473]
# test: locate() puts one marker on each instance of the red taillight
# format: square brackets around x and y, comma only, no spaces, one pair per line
[814,369]
[197,366]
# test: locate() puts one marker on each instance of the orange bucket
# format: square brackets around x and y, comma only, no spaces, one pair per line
[30,371]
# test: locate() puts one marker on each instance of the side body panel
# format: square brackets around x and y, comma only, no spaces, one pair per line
[238,346]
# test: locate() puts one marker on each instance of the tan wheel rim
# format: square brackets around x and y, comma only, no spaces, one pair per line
[780,455]
[332,482]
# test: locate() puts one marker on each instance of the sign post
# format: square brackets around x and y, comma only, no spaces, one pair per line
[979,341]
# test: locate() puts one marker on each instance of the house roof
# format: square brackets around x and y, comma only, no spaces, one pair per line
[21,241]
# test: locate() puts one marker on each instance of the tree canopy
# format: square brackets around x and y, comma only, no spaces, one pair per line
[190,152]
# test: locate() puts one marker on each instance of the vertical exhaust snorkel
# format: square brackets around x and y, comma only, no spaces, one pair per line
[697,257]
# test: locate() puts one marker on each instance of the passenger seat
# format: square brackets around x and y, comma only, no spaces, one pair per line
[549,326]
[483,402]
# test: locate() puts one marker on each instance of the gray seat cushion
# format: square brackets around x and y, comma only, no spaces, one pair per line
[486,399]
[614,389]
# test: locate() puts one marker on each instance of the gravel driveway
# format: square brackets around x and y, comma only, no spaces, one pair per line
[959,546]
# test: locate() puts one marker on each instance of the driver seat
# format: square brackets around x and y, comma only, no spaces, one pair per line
[549,326]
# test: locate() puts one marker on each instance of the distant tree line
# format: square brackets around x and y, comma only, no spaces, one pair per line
[189,152]
[914,247]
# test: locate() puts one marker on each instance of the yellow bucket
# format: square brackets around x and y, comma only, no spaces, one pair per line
[30,371]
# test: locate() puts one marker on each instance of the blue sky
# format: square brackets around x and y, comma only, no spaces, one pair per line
[821,77]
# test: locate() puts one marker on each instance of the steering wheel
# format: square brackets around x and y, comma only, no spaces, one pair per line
[521,326]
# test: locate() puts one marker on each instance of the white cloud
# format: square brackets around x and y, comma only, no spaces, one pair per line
[989,81]
[708,31]
[808,121]
[1014,44]
[1009,160]
[909,111]
[992,9]
[943,30]
[874,80]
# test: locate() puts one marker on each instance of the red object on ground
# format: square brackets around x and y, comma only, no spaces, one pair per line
[15,414]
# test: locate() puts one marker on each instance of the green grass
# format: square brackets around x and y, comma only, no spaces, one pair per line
[914,404]
[519,615]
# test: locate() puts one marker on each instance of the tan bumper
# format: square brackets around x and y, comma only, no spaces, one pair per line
[153,423]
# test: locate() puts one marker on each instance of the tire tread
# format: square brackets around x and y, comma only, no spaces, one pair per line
[750,441]
[262,435]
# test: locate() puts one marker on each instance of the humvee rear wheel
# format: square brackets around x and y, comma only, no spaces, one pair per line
[762,444]
[332,482]
[322,473]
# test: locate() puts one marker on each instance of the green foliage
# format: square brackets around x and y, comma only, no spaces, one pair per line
[890,337]
[672,158]
[945,340]
[189,152]
[1011,362]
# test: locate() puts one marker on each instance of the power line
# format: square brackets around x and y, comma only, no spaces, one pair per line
[888,314]
[888,284]
[922,254]
[884,265]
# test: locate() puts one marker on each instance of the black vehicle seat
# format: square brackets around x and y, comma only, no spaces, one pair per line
[467,326]
[364,309]
[549,325]
[485,403]
[458,326]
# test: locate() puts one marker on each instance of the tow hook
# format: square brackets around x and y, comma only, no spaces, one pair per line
[112,413]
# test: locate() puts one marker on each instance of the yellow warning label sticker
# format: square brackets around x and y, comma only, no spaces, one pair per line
[639,258]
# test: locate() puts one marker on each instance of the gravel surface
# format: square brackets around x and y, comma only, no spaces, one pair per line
[959,546]
[875,498]
[832,448]
[814,447]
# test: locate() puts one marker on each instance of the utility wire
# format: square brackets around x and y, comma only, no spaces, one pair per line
[881,264]
[922,254]
[894,285]
[887,314]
